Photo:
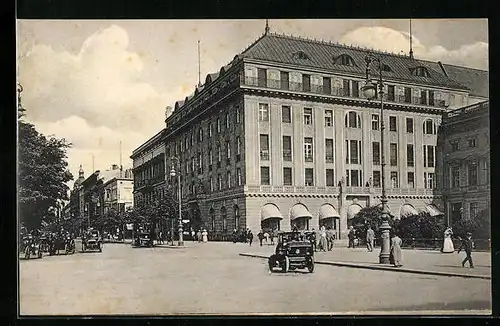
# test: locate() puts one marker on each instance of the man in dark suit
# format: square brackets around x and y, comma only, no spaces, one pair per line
[467,246]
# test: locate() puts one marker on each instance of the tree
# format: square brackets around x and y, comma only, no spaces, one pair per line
[371,215]
[421,226]
[479,226]
[43,173]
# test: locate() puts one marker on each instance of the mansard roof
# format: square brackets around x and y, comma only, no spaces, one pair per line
[324,55]
[475,79]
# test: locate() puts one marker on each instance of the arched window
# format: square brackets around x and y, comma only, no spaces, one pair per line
[236,217]
[212,219]
[300,55]
[429,127]
[352,120]
[345,60]
[223,214]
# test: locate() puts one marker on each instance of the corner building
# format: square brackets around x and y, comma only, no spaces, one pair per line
[282,136]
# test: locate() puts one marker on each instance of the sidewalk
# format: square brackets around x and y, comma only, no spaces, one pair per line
[430,262]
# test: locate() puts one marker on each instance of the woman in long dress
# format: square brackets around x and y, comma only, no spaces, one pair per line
[448,242]
[322,239]
[396,250]
[204,235]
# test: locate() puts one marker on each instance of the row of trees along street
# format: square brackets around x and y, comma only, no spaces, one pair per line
[423,229]
[43,174]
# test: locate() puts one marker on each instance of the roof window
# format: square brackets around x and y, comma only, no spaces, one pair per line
[300,55]
[344,60]
[420,71]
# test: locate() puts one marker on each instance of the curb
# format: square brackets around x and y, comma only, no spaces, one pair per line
[386,268]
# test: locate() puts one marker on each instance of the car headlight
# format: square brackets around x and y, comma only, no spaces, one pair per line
[297,251]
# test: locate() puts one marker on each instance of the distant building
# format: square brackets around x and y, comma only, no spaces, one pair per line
[282,136]
[464,139]
[117,193]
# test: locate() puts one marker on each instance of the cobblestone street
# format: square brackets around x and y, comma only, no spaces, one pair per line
[213,279]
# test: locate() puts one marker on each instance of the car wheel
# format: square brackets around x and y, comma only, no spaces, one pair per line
[83,247]
[310,266]
[99,247]
[285,265]
[271,263]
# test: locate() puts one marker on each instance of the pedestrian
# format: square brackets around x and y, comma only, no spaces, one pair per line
[250,236]
[447,242]
[198,236]
[260,235]
[271,236]
[160,237]
[396,250]
[193,235]
[266,236]
[370,238]
[330,237]
[351,235]
[467,245]
[322,245]
[204,235]
[313,239]
[235,236]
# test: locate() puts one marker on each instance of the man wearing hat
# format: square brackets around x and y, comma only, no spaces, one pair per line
[467,246]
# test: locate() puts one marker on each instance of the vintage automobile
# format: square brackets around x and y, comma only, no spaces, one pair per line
[292,252]
[45,242]
[92,240]
[143,239]
[61,241]
[31,247]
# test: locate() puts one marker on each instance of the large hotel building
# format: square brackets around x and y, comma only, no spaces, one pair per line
[282,136]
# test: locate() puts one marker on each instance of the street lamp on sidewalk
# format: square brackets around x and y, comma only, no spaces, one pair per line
[173,173]
[370,92]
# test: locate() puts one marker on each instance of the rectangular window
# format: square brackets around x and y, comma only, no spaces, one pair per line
[472,174]
[346,88]
[429,180]
[456,212]
[392,123]
[394,179]
[328,118]
[376,179]
[287,176]
[306,83]
[473,210]
[423,97]
[228,179]
[218,127]
[455,176]
[228,151]
[210,158]
[238,177]
[309,177]
[287,148]
[411,179]
[390,93]
[219,181]
[409,155]
[355,178]
[329,178]
[455,146]
[284,80]
[264,175]
[394,154]
[308,149]
[409,125]
[355,88]
[264,147]
[354,152]
[210,129]
[307,116]
[375,121]
[376,153]
[263,112]
[329,150]
[228,121]
[286,114]
[429,156]
[261,77]
[327,85]
[238,114]
[407,98]
[431,97]
[472,142]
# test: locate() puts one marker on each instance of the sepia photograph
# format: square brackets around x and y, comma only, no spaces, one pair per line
[253,167]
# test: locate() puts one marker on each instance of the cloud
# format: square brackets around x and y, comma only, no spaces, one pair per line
[386,39]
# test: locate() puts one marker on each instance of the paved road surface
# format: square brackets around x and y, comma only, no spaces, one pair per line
[212,278]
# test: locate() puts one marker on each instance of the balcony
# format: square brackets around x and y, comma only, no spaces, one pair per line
[292,189]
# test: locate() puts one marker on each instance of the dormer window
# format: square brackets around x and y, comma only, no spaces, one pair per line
[386,68]
[300,55]
[345,60]
[420,72]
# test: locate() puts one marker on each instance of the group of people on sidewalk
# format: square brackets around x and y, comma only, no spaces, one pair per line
[200,235]
[323,239]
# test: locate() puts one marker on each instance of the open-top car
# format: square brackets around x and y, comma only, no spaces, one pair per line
[61,241]
[30,247]
[143,239]
[92,240]
[292,252]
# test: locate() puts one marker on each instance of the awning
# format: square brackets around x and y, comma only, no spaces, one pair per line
[327,211]
[407,210]
[270,211]
[299,211]
[352,211]
[433,210]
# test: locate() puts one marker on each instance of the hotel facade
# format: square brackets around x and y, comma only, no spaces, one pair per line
[282,136]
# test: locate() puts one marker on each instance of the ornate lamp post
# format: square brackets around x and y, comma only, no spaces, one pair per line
[370,92]
[173,173]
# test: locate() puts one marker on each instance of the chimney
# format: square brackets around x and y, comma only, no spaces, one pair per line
[168,111]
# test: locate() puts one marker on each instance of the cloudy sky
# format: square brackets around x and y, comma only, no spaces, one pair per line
[97,83]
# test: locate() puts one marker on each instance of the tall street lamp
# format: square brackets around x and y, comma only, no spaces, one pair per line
[173,173]
[370,92]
